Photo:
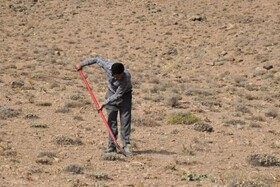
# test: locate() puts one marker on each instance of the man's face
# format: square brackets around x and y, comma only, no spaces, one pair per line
[118,77]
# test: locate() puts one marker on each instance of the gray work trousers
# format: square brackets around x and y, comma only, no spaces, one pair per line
[123,107]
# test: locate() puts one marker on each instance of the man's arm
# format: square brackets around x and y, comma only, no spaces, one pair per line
[100,61]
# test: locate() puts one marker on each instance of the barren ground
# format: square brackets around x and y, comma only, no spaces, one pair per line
[216,60]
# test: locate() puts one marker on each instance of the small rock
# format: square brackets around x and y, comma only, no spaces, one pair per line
[172,51]
[268,67]
[16,84]
[277,76]
[31,116]
[45,160]
[197,18]
[2,151]
[259,71]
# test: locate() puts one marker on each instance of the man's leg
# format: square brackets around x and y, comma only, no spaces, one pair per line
[125,119]
[113,124]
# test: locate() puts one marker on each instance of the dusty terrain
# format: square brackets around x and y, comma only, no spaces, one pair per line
[216,60]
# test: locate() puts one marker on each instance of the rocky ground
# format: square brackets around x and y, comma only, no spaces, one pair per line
[206,92]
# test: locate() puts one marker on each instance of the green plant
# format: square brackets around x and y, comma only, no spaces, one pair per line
[181,118]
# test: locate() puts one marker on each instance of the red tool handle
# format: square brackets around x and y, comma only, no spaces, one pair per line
[100,112]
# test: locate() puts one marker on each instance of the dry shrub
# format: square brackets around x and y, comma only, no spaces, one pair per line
[74,168]
[201,92]
[271,112]
[239,81]
[39,125]
[264,160]
[173,101]
[73,105]
[6,113]
[257,118]
[170,166]
[147,122]
[78,118]
[47,154]
[43,103]
[76,96]
[203,127]
[99,176]
[111,156]
[235,122]
[242,108]
[276,144]
[189,150]
[64,140]
[44,161]
[155,97]
[194,177]
[255,125]
[31,116]
[252,183]
[64,109]
[186,162]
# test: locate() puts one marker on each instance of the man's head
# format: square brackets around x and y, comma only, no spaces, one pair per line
[117,70]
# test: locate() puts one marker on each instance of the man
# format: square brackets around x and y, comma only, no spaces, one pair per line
[118,100]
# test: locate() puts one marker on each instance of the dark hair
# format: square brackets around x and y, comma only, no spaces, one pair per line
[117,68]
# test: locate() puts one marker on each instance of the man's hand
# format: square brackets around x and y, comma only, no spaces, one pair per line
[79,67]
[101,107]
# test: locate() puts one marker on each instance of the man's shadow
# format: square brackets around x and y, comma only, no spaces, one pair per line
[150,151]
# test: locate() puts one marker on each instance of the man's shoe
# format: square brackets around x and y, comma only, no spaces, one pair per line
[127,150]
[110,150]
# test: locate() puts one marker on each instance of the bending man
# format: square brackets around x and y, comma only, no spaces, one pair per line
[118,100]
